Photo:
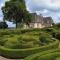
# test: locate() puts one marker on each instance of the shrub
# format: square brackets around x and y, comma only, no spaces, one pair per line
[15,44]
[46,55]
[57,25]
[56,35]
[19,53]
[57,58]
[48,29]
[27,38]
[3,25]
[45,38]
[30,30]
[2,42]
[21,46]
[11,35]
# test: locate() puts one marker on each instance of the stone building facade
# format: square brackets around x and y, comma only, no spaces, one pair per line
[38,21]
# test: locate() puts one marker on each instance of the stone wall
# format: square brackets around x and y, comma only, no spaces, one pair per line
[38,21]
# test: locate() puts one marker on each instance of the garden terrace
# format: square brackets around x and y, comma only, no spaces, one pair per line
[21,43]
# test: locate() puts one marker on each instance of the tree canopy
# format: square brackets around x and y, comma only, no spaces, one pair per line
[15,11]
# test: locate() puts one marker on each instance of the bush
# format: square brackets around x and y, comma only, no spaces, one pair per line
[24,45]
[57,25]
[11,35]
[30,30]
[3,25]
[56,35]
[15,45]
[10,31]
[19,42]
[46,55]
[19,53]
[45,38]
[57,58]
[2,42]
[48,29]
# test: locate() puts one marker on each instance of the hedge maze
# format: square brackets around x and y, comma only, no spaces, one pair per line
[30,44]
[46,55]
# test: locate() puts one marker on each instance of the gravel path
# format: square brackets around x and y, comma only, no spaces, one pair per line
[2,58]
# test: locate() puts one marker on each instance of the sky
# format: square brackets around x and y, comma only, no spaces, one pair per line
[10,24]
[44,7]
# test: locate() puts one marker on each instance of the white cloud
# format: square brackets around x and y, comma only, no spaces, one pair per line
[47,4]
[10,24]
[45,7]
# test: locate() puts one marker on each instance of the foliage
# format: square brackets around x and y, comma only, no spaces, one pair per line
[16,43]
[15,11]
[57,58]
[45,38]
[57,25]
[2,42]
[21,53]
[3,25]
[20,45]
[52,54]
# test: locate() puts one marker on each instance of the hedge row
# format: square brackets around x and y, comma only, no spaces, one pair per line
[53,54]
[21,53]
[10,31]
[18,31]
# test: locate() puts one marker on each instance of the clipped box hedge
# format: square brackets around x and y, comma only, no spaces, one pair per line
[10,31]
[21,53]
[53,54]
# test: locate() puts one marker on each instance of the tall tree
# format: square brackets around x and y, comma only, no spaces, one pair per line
[15,11]
[27,18]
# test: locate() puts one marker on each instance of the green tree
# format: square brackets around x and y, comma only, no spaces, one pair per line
[15,11]
[27,18]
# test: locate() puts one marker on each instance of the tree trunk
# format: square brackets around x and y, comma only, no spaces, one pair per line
[3,20]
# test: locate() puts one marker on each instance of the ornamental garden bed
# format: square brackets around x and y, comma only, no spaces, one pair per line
[22,43]
[53,54]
